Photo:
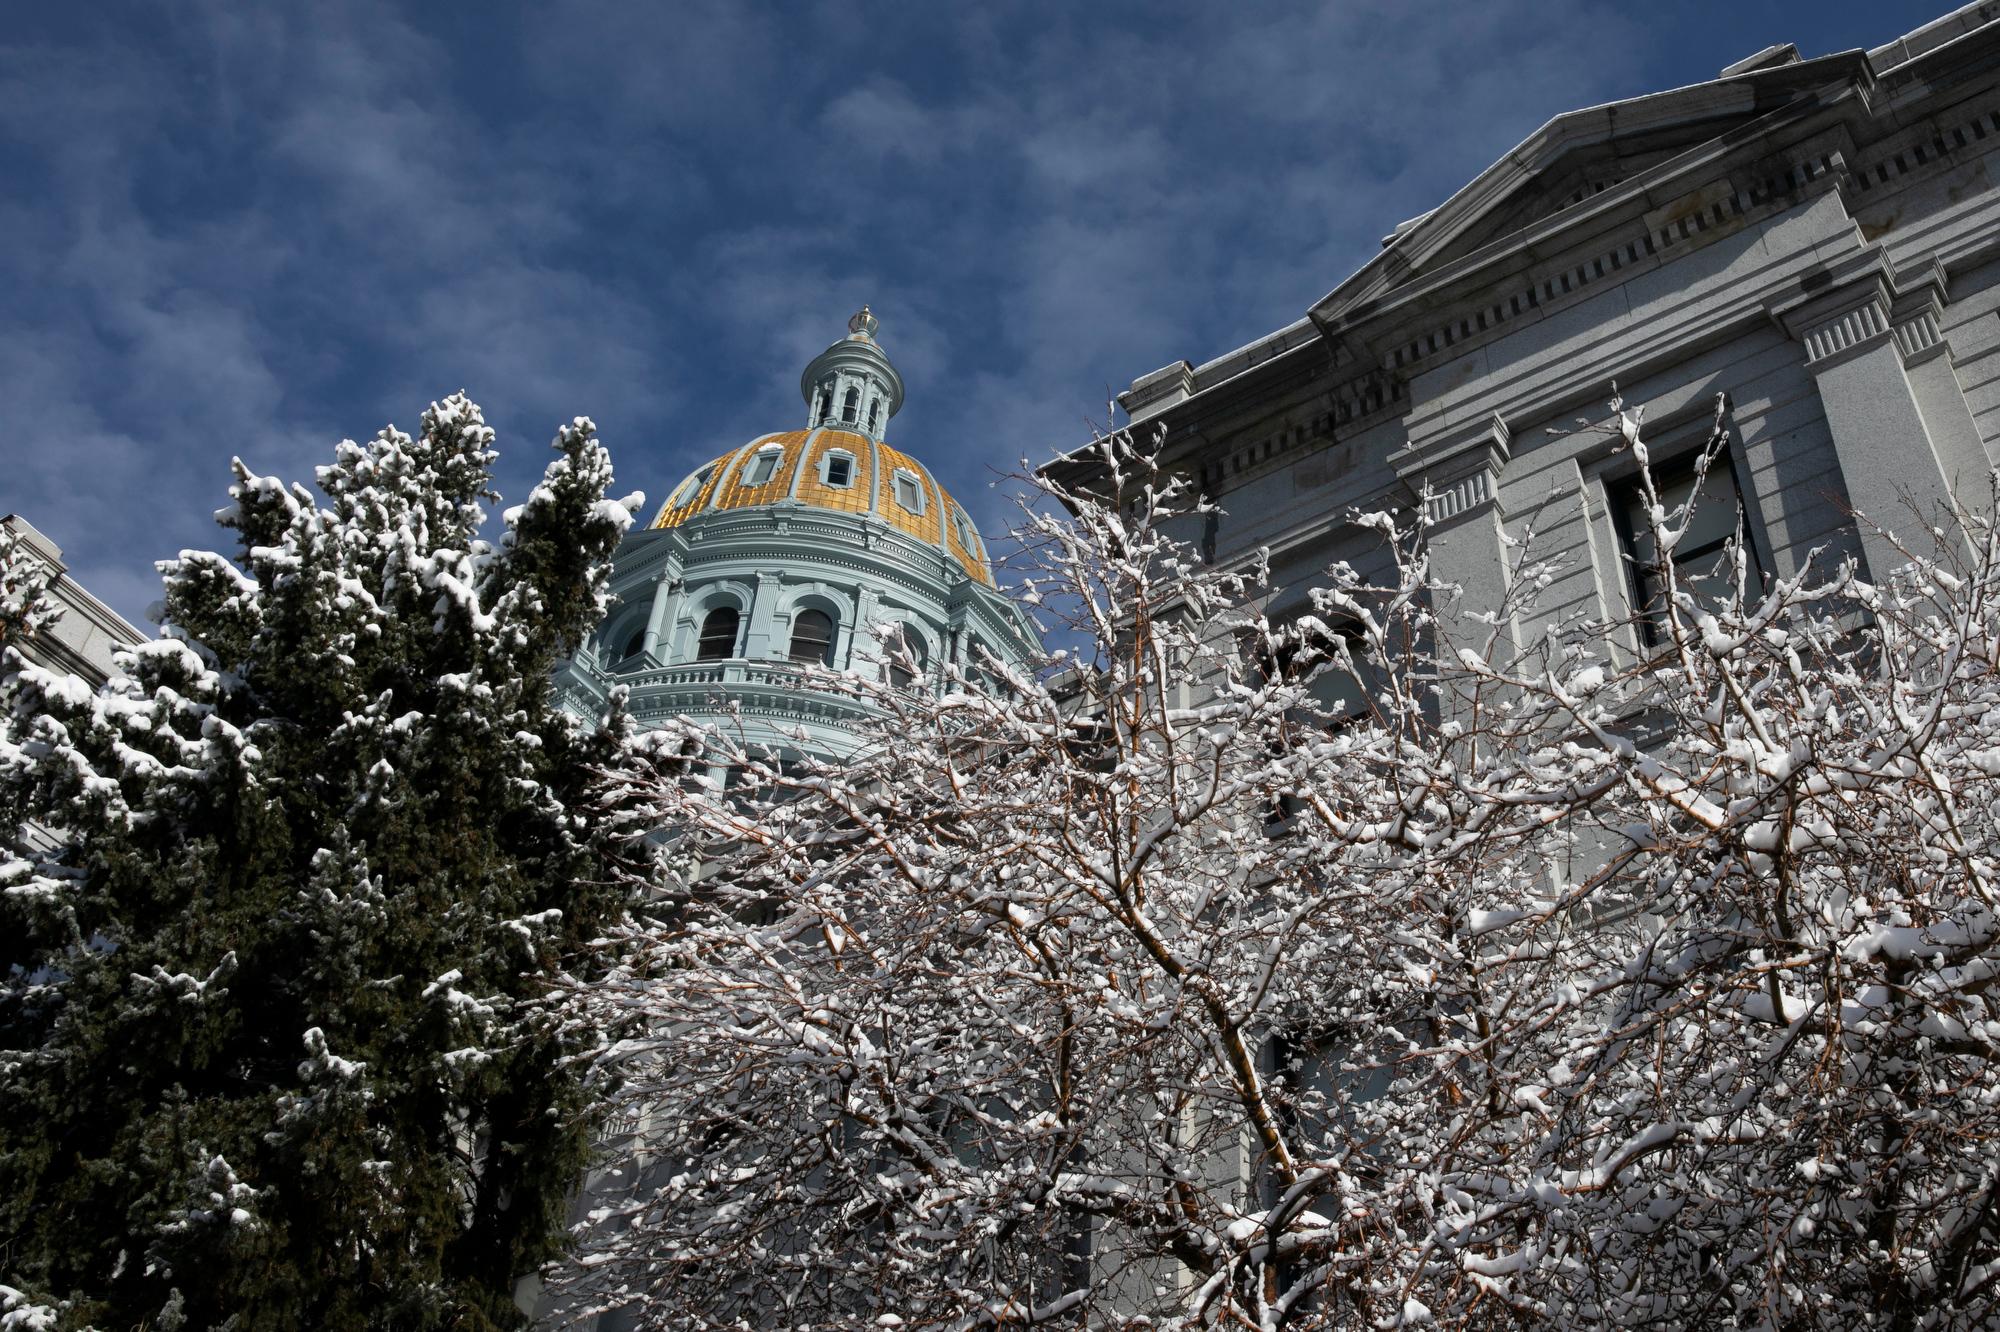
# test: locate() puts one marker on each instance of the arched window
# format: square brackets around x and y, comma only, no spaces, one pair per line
[850,409]
[634,645]
[812,638]
[901,643]
[874,410]
[718,635]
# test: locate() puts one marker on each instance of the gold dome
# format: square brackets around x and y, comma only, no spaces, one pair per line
[842,470]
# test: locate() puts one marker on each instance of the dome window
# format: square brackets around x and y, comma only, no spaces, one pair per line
[909,491]
[763,467]
[850,407]
[837,470]
[874,411]
[691,487]
[718,635]
[812,638]
[962,528]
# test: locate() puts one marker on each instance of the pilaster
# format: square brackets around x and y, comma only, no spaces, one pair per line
[1457,475]
[1918,315]
[851,635]
[763,609]
[1859,352]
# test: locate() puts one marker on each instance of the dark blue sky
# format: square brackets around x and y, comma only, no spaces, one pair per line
[244,229]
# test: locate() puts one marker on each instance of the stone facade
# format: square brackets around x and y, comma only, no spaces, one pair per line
[1816,241]
[798,551]
[88,632]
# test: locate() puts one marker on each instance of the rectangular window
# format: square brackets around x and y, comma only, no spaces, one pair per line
[1315,657]
[1700,559]
[762,467]
[909,494]
[839,470]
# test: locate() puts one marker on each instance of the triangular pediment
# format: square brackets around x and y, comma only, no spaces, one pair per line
[1577,177]
[1576,157]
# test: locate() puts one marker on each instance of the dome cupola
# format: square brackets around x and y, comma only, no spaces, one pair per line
[851,385]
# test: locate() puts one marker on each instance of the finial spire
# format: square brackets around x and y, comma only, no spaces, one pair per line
[851,385]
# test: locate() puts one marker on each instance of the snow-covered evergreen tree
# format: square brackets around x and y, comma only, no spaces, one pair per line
[264,1061]
[1380,967]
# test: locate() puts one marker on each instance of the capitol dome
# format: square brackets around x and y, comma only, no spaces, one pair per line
[777,567]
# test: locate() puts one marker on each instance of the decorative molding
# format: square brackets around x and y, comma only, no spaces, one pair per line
[1923,150]
[1780,189]
[1862,323]
[1919,335]
[1355,403]
[1458,470]
[1464,494]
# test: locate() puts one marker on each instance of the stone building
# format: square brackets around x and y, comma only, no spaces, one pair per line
[819,546]
[87,631]
[1817,241]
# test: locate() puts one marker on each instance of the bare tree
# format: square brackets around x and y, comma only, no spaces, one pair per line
[1355,970]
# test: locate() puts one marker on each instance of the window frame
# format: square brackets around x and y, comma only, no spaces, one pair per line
[702,633]
[766,459]
[826,461]
[897,479]
[688,491]
[1622,492]
[825,656]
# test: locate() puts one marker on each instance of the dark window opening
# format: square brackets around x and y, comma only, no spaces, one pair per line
[1700,561]
[718,635]
[850,408]
[812,638]
[1337,694]
[839,470]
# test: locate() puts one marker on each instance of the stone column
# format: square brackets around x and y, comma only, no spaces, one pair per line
[1889,460]
[666,608]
